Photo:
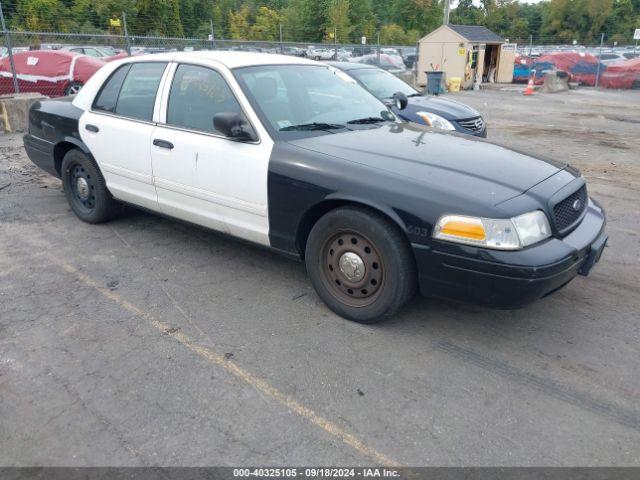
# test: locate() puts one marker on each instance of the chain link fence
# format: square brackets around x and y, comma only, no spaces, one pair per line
[48,63]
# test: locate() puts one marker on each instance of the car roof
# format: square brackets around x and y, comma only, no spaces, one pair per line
[346,66]
[230,59]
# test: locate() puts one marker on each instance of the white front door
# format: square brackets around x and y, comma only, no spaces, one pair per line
[117,131]
[200,175]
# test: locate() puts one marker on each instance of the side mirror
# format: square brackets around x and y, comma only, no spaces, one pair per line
[400,100]
[233,126]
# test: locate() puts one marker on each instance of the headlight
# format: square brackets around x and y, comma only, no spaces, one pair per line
[435,121]
[509,234]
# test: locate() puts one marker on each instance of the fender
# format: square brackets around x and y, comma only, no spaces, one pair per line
[384,209]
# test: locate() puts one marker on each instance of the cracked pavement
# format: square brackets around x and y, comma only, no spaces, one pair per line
[87,377]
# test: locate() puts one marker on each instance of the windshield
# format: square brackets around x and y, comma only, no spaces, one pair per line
[309,98]
[381,83]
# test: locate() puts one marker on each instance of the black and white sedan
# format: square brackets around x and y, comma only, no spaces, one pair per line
[295,155]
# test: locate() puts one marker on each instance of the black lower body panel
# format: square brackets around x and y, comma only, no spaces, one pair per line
[40,152]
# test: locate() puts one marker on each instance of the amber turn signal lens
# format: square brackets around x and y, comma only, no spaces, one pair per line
[456,228]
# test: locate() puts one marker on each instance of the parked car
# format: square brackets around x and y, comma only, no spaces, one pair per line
[437,112]
[611,57]
[389,63]
[107,54]
[294,155]
[55,73]
[317,53]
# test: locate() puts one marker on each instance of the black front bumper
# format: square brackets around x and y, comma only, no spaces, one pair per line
[503,279]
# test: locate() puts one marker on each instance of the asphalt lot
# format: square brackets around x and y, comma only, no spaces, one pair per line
[147,341]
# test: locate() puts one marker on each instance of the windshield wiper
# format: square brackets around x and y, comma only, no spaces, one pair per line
[417,94]
[364,121]
[312,126]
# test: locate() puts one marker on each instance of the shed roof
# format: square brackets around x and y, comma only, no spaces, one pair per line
[476,33]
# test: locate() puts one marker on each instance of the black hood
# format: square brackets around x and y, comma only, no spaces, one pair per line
[463,165]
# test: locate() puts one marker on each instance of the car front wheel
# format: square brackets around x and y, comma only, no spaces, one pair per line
[86,190]
[360,264]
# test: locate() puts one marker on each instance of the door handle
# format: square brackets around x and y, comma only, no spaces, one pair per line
[91,128]
[162,143]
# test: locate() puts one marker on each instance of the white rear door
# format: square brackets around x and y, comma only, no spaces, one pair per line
[118,131]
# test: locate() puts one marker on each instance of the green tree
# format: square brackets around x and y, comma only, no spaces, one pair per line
[393,34]
[39,16]
[158,17]
[239,23]
[338,21]
[266,25]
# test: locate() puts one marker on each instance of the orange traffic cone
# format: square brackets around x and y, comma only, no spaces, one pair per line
[529,89]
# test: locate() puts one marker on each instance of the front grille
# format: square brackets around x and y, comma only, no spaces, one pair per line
[475,124]
[568,211]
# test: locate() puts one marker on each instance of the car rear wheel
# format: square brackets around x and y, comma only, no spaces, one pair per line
[360,264]
[86,190]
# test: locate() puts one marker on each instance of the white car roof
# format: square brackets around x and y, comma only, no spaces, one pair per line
[228,58]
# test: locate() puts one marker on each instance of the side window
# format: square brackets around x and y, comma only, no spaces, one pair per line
[92,52]
[108,96]
[138,93]
[197,94]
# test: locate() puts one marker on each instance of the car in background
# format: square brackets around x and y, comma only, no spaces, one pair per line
[391,63]
[437,112]
[319,53]
[104,53]
[611,57]
[54,73]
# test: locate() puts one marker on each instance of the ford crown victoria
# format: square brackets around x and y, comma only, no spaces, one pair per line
[296,156]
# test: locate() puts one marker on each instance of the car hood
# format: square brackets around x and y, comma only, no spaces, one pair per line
[470,167]
[446,108]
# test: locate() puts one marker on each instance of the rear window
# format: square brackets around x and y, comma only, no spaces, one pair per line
[108,96]
[131,90]
[138,93]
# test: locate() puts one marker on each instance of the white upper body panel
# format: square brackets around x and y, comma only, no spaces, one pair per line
[222,60]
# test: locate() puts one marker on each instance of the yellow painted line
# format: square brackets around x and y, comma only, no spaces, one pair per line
[217,359]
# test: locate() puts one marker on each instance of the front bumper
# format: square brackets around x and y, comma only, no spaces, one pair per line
[503,279]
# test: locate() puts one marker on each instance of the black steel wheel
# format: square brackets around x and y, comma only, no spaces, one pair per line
[353,268]
[360,264]
[85,189]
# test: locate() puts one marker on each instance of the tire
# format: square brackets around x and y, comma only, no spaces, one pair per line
[73,88]
[371,286]
[86,190]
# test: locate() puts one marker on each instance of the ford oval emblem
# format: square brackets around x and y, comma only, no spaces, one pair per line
[577,205]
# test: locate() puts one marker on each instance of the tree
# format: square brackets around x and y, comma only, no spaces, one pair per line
[266,25]
[392,34]
[39,15]
[466,13]
[338,21]
[158,17]
[239,24]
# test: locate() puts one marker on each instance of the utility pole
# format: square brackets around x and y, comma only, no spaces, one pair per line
[126,33]
[378,54]
[447,6]
[335,43]
[530,62]
[213,35]
[281,46]
[7,35]
[599,59]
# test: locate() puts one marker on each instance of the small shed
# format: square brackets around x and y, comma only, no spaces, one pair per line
[471,52]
